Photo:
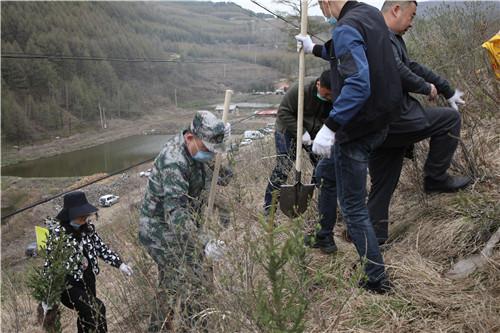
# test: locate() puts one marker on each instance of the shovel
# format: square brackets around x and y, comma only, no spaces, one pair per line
[294,199]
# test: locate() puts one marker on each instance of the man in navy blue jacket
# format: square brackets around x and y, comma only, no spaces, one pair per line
[367,95]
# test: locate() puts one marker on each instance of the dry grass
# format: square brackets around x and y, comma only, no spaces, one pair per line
[427,238]
[428,234]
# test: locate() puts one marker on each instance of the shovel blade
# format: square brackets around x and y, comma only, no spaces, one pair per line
[294,199]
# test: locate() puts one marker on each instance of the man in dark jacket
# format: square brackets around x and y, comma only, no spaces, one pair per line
[440,124]
[317,105]
[367,97]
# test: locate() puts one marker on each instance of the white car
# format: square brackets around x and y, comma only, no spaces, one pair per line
[108,200]
[252,135]
[146,173]
[245,142]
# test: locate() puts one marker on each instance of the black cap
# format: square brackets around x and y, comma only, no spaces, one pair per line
[75,205]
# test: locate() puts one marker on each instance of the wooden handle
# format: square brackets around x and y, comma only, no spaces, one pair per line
[218,158]
[300,117]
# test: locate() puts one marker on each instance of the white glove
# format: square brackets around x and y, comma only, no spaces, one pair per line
[456,99]
[306,42]
[306,139]
[323,142]
[125,269]
[227,131]
[215,249]
[45,308]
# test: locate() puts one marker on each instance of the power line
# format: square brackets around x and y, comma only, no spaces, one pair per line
[65,192]
[95,181]
[284,19]
[14,55]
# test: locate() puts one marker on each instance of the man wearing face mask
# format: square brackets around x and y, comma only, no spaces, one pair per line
[168,225]
[317,105]
[416,123]
[366,82]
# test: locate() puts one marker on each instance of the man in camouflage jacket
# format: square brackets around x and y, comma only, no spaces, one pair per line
[168,225]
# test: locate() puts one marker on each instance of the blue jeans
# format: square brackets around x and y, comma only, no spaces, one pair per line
[351,164]
[285,159]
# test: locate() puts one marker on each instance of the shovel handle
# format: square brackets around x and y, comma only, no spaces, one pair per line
[300,117]
[218,158]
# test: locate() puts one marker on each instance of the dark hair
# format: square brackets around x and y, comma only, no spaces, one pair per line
[325,80]
[389,4]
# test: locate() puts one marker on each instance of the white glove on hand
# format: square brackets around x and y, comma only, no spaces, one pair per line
[45,308]
[125,269]
[306,42]
[306,139]
[456,99]
[215,249]
[227,131]
[323,142]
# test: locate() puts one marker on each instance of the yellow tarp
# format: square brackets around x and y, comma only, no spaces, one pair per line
[41,237]
[493,48]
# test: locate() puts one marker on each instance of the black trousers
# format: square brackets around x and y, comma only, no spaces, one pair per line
[81,296]
[386,162]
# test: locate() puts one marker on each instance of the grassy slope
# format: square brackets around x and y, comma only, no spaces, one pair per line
[429,233]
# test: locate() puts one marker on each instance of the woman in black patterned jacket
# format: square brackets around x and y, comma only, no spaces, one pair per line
[86,246]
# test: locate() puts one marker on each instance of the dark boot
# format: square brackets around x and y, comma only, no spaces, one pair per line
[451,184]
[324,244]
[380,287]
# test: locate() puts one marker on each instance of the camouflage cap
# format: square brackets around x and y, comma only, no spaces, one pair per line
[210,130]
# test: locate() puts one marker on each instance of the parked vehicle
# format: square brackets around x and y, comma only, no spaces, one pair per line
[245,142]
[108,200]
[252,135]
[146,173]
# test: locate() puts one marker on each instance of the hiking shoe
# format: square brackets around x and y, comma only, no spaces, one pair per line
[451,184]
[380,287]
[324,244]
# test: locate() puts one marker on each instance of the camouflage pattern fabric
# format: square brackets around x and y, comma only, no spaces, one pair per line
[210,130]
[169,230]
[169,225]
[173,189]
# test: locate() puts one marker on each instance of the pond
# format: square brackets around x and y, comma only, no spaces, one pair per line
[107,157]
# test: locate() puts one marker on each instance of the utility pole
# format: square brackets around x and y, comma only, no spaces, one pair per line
[104,118]
[119,104]
[67,107]
[224,70]
[100,114]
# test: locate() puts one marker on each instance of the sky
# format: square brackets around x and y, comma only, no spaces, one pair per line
[270,4]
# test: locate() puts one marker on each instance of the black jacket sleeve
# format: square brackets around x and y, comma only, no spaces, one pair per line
[410,81]
[441,84]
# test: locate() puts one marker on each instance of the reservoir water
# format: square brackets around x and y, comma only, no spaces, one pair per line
[107,157]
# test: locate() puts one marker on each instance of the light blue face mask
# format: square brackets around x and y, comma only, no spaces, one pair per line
[321,98]
[203,156]
[332,20]
[75,225]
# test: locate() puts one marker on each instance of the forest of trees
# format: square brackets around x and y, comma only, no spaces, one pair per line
[41,96]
